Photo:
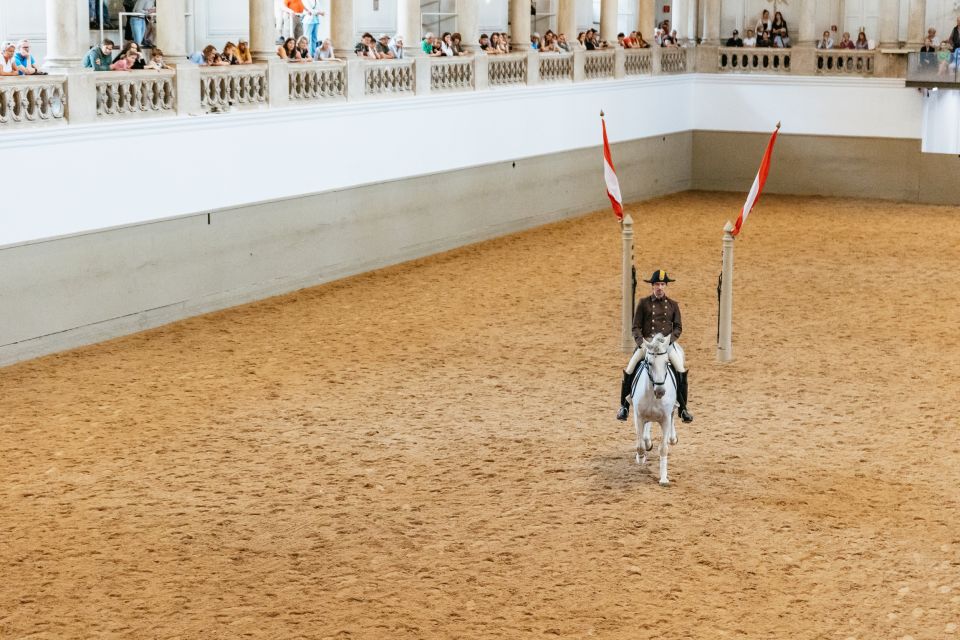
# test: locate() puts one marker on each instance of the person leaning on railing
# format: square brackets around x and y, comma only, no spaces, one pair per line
[99,57]
[7,65]
[244,55]
[325,52]
[826,42]
[25,61]
[126,61]
[209,57]
[288,50]
[303,49]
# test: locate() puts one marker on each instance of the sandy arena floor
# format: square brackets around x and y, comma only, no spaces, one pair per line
[430,451]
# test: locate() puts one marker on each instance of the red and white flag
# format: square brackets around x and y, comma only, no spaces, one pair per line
[610,175]
[758,183]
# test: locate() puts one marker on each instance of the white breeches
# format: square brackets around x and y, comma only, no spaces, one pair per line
[674,353]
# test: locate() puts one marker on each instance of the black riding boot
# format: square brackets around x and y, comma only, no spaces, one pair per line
[685,415]
[625,386]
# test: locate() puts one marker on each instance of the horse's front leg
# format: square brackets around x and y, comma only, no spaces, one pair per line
[641,453]
[647,441]
[665,437]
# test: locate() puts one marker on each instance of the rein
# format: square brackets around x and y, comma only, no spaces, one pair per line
[666,374]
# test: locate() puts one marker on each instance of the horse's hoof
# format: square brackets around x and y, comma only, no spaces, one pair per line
[648,444]
[673,441]
[664,483]
[638,459]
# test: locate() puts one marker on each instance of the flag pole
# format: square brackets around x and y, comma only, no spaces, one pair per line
[725,331]
[626,310]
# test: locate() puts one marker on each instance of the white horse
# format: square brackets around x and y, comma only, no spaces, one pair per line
[654,397]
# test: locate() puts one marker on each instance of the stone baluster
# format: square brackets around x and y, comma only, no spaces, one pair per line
[608,20]
[520,25]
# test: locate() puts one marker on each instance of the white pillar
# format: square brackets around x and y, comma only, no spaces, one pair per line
[409,25]
[263,30]
[692,12]
[916,27]
[807,34]
[711,22]
[646,19]
[342,31]
[678,19]
[626,309]
[468,24]
[67,28]
[725,338]
[608,20]
[889,23]
[520,25]
[172,30]
[567,19]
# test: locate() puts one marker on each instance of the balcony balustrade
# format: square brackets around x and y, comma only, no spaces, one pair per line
[135,94]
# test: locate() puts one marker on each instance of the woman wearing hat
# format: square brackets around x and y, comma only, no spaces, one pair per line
[657,314]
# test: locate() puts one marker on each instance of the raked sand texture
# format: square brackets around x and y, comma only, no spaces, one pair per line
[430,451]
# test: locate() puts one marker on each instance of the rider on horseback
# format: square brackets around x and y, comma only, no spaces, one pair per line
[657,314]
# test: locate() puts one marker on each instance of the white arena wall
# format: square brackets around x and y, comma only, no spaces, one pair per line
[224,209]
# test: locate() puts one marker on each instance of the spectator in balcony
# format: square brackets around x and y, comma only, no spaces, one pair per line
[383,48]
[292,12]
[446,45]
[943,58]
[244,55]
[670,39]
[311,24]
[229,54]
[504,42]
[764,39]
[303,49]
[549,44]
[288,50]
[138,24]
[932,35]
[426,45]
[325,52]
[458,45]
[7,65]
[484,42]
[100,57]
[735,40]
[209,57]
[826,42]
[535,41]
[25,61]
[620,40]
[750,40]
[780,32]
[156,61]
[846,42]
[139,63]
[862,42]
[95,8]
[582,39]
[396,46]
[764,23]
[955,36]
[126,60]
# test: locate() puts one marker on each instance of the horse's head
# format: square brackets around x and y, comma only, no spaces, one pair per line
[656,360]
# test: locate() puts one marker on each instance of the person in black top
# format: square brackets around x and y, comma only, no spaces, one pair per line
[735,40]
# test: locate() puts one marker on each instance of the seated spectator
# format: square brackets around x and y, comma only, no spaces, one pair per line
[735,40]
[367,47]
[244,55]
[396,46]
[535,41]
[846,42]
[156,61]
[932,35]
[861,42]
[126,60]
[303,49]
[99,58]
[458,45]
[325,51]
[780,33]
[288,50]
[826,42]
[750,40]
[562,43]
[25,61]
[944,58]
[928,46]
[764,39]
[229,54]
[7,65]
[383,47]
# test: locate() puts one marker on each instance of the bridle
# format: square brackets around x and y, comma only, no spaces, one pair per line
[650,369]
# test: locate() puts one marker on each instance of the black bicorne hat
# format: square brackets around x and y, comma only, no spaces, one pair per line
[659,276]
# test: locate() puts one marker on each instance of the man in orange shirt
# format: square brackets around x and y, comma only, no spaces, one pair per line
[292,18]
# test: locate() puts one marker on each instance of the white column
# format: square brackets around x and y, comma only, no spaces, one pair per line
[646,19]
[67,28]
[807,34]
[263,30]
[409,25]
[889,23]
[608,20]
[567,19]
[342,32]
[725,342]
[520,25]
[692,12]
[916,27]
[172,30]
[678,18]
[711,22]
[468,24]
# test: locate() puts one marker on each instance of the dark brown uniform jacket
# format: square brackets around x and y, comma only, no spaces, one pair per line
[655,316]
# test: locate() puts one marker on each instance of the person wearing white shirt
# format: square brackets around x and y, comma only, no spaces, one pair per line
[765,23]
[826,42]
[750,40]
[932,34]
